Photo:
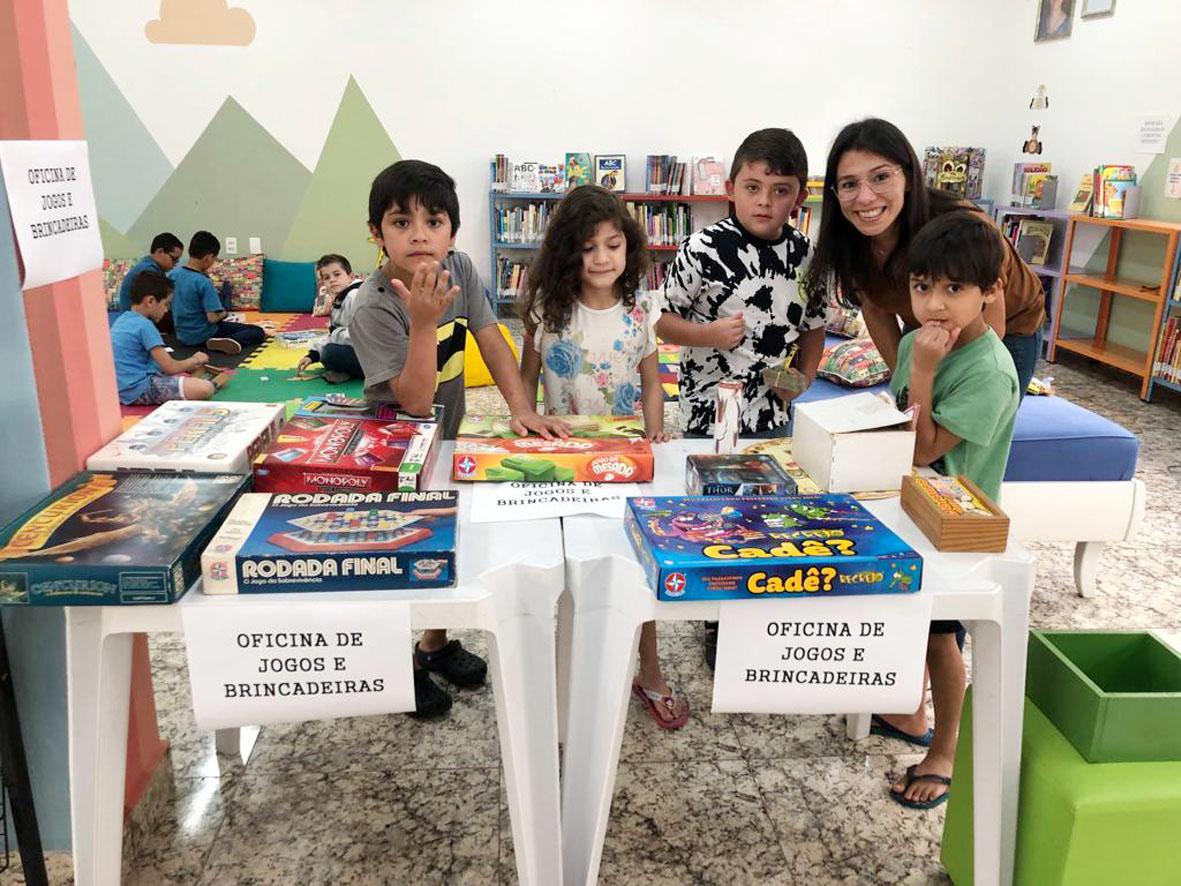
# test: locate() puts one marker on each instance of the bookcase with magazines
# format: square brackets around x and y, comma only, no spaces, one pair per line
[1039,236]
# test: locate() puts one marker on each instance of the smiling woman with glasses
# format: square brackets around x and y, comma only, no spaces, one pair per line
[875,201]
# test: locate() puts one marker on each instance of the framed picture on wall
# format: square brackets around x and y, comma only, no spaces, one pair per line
[1098,8]
[1054,20]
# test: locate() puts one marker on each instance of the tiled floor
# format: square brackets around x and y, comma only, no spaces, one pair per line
[729,799]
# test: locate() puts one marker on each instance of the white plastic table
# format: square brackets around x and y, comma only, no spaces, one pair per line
[611,598]
[510,576]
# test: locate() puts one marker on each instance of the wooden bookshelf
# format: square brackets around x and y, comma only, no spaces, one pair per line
[1053,272]
[1136,361]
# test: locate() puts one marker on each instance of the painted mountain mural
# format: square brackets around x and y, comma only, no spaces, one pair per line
[331,217]
[126,164]
[236,181]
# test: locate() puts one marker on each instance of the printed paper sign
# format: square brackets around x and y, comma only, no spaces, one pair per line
[828,656]
[1151,133]
[283,662]
[1173,178]
[497,502]
[52,204]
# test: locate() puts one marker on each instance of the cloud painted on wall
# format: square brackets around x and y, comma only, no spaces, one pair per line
[201,22]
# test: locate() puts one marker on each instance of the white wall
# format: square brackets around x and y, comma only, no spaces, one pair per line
[455,81]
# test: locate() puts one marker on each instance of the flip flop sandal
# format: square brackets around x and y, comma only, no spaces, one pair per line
[878,726]
[454,664]
[654,701]
[911,778]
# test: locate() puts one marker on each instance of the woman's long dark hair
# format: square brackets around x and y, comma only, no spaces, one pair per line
[842,256]
[555,276]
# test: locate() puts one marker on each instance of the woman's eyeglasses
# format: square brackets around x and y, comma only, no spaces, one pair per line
[880,181]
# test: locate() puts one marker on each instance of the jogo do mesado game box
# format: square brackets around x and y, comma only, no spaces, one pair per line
[600,449]
[718,548]
[345,541]
[103,538]
[347,454]
[182,435]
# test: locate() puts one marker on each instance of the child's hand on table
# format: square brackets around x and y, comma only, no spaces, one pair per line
[545,426]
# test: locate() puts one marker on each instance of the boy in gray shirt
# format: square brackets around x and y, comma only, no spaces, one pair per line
[409,330]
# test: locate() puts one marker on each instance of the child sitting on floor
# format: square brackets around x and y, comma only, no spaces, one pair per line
[146,373]
[581,308]
[961,378]
[336,352]
[199,312]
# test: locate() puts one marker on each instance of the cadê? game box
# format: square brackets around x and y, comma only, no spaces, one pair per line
[103,539]
[718,548]
[286,543]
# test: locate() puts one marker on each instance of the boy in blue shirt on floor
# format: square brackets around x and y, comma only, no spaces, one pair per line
[144,370]
[961,379]
[164,256]
[197,309]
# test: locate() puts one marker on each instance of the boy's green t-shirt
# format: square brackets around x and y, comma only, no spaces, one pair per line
[975,397]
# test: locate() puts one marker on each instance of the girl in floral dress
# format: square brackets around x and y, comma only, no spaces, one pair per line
[590,335]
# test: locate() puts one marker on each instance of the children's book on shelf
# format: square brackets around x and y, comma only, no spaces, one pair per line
[666,224]
[773,548]
[957,169]
[1033,240]
[552,179]
[1083,197]
[519,222]
[663,174]
[525,178]
[611,171]
[344,541]
[709,176]
[499,170]
[511,277]
[320,454]
[1023,184]
[1168,359]
[185,435]
[1106,178]
[106,539]
[578,170]
[600,449]
[1044,192]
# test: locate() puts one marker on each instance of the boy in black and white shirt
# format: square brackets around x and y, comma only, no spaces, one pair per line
[733,298]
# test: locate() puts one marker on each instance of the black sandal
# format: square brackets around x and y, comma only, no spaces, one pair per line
[899,797]
[454,664]
[430,699]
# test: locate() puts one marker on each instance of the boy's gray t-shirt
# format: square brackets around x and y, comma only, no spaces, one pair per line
[380,334]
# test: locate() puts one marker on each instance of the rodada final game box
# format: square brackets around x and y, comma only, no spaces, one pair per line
[717,548]
[182,435]
[102,539]
[343,454]
[600,449]
[346,541]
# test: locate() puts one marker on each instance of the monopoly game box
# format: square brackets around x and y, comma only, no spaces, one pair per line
[345,541]
[343,454]
[717,548]
[600,449]
[342,405]
[184,435]
[104,539]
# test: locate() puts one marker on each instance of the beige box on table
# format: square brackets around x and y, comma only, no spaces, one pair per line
[858,443]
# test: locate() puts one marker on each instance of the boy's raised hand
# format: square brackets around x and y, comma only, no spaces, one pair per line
[728,332]
[931,345]
[429,296]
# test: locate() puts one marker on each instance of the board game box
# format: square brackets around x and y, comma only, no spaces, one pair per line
[343,406]
[716,548]
[736,474]
[344,541]
[342,454]
[183,435]
[103,539]
[601,449]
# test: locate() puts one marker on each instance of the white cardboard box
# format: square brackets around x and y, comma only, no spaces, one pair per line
[193,435]
[858,443]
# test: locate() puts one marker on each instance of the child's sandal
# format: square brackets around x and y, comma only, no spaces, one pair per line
[654,702]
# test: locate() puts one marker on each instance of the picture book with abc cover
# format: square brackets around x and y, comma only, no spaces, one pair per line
[718,548]
[342,541]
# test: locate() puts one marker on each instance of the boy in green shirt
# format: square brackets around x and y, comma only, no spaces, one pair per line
[961,379]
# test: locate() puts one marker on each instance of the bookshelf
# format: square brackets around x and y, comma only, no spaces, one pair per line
[1052,272]
[1135,361]
[523,240]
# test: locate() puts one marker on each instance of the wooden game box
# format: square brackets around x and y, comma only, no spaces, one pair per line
[107,539]
[600,449]
[343,541]
[954,514]
[344,454]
